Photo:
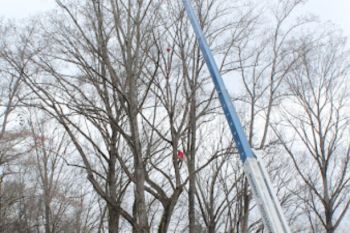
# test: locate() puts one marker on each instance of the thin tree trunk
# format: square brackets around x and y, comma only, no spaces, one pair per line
[192,160]
[47,213]
[246,203]
[113,214]
[141,212]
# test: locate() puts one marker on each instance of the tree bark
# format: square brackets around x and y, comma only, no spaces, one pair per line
[192,159]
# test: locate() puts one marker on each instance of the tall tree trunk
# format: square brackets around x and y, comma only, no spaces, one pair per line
[168,211]
[211,227]
[113,220]
[47,212]
[113,214]
[245,211]
[46,193]
[192,159]
[141,212]
[327,205]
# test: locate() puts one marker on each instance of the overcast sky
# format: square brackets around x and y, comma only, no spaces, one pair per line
[337,11]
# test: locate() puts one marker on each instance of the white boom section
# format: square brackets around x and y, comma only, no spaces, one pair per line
[265,197]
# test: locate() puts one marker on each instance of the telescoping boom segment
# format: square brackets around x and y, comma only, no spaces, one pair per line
[259,181]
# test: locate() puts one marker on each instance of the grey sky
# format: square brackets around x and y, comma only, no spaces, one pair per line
[23,8]
[337,11]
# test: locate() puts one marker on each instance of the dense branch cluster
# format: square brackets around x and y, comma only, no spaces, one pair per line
[109,121]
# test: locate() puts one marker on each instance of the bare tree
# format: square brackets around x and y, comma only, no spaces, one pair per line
[112,112]
[49,148]
[12,132]
[317,119]
[127,85]
[262,66]
[118,111]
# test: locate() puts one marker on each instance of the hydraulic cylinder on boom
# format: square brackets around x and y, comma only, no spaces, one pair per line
[254,169]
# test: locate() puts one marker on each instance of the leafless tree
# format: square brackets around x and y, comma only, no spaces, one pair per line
[126,85]
[117,98]
[49,148]
[263,64]
[118,109]
[317,119]
[12,132]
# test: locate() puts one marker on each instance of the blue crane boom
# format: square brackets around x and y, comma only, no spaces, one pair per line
[266,199]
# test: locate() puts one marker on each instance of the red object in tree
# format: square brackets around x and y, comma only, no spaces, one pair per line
[168,50]
[180,154]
